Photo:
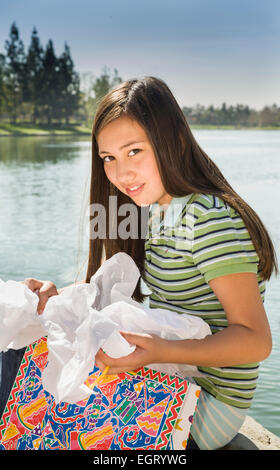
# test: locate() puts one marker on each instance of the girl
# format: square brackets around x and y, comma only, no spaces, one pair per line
[212,261]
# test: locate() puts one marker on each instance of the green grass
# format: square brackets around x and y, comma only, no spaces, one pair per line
[26,129]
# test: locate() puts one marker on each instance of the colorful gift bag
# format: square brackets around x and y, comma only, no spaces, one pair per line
[140,410]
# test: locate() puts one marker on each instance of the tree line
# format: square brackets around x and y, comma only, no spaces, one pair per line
[39,87]
[36,84]
[239,116]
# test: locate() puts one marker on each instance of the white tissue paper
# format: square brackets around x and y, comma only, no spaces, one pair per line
[85,318]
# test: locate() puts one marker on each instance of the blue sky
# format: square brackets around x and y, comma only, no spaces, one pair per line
[207,51]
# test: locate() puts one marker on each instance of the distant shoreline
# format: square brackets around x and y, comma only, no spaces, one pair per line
[23,130]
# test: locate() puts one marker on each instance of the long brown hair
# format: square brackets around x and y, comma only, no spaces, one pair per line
[183,166]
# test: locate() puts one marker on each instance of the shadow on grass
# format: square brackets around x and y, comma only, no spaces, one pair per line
[27,129]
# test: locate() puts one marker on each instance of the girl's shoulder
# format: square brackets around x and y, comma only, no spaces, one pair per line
[204,207]
[207,201]
[203,204]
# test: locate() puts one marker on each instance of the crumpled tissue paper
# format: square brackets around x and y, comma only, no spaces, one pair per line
[85,318]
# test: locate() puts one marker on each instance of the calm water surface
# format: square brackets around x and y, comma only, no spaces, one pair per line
[44,185]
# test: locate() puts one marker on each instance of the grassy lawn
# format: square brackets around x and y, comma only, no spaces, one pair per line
[25,129]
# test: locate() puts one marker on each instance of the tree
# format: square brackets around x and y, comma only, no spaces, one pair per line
[2,83]
[269,116]
[50,83]
[104,84]
[69,85]
[93,90]
[34,74]
[14,73]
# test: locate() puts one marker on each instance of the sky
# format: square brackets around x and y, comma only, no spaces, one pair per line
[207,51]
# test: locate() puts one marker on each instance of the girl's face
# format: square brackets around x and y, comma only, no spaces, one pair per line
[130,163]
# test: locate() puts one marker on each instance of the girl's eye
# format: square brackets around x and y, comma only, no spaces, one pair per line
[107,158]
[133,152]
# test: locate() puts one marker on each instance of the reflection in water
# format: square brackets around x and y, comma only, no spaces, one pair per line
[21,150]
[43,193]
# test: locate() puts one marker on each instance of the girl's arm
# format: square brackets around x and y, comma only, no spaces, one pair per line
[246,339]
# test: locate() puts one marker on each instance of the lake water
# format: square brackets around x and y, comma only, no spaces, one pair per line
[44,186]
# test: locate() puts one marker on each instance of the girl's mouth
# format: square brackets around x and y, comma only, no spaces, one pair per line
[134,190]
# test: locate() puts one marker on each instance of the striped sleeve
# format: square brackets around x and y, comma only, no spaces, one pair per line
[221,242]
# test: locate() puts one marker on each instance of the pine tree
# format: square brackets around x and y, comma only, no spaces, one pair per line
[50,83]
[69,85]
[34,74]
[2,83]
[14,73]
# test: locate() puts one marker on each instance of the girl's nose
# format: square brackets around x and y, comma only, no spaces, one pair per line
[125,174]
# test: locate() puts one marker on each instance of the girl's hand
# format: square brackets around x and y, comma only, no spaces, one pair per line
[45,290]
[149,349]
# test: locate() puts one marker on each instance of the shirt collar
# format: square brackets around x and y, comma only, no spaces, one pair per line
[159,219]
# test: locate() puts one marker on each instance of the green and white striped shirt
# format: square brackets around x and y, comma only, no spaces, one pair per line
[198,238]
